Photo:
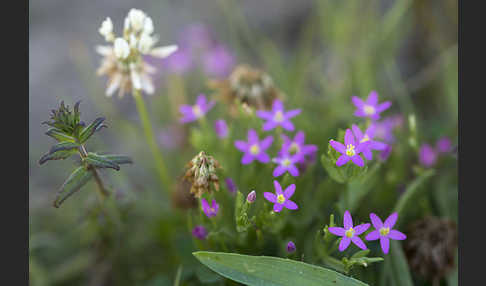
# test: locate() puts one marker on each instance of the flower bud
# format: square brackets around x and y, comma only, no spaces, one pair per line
[251,197]
[137,18]
[291,247]
[145,43]
[121,48]
[106,29]
[148,26]
[199,232]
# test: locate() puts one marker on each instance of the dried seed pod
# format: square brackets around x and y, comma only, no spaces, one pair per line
[201,172]
[251,87]
[431,247]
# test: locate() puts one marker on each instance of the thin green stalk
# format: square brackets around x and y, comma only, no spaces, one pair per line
[149,136]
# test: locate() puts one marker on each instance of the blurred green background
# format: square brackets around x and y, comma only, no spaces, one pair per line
[319,53]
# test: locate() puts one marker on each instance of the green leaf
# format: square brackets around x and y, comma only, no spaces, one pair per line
[271,271]
[396,267]
[331,169]
[100,161]
[60,151]
[74,182]
[119,159]
[87,131]
[59,135]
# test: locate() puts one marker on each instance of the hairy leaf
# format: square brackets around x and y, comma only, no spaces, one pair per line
[271,271]
[119,159]
[74,182]
[101,161]
[87,131]
[60,151]
[59,135]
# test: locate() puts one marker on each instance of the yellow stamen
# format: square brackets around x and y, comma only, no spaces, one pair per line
[278,117]
[197,110]
[254,149]
[365,138]
[286,162]
[384,231]
[280,199]
[350,150]
[369,110]
[349,233]
[294,148]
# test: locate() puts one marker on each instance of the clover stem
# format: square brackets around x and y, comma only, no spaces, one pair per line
[149,136]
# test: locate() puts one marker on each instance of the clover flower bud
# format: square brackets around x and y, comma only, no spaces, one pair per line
[251,197]
[106,30]
[121,48]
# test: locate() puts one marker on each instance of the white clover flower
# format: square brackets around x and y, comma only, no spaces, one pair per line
[106,30]
[137,18]
[123,61]
[121,48]
[148,26]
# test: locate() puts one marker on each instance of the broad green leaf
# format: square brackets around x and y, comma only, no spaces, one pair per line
[74,182]
[87,131]
[271,271]
[59,135]
[100,161]
[118,159]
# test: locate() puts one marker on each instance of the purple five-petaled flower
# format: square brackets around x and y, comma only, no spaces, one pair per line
[210,210]
[230,184]
[384,231]
[278,117]
[370,108]
[350,150]
[368,137]
[199,232]
[281,198]
[349,233]
[286,163]
[297,146]
[254,149]
[194,112]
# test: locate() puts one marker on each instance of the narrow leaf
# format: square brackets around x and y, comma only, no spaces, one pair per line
[119,159]
[271,271]
[100,161]
[74,182]
[59,155]
[90,129]
[59,135]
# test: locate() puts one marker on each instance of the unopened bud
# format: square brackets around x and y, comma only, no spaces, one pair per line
[251,197]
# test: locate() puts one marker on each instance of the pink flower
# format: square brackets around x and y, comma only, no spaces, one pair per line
[349,233]
[384,231]
[370,108]
[281,199]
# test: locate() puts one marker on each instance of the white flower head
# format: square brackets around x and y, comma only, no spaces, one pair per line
[137,18]
[133,41]
[148,26]
[121,48]
[106,30]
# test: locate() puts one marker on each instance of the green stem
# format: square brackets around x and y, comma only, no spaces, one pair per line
[149,135]
[102,191]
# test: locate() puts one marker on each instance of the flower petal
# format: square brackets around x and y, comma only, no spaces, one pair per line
[290,205]
[277,207]
[349,138]
[292,113]
[372,98]
[347,220]
[358,160]
[338,146]
[267,142]
[356,240]
[247,159]
[279,171]
[263,157]
[252,137]
[278,188]
[264,114]
[163,52]
[299,137]
[374,235]
[359,229]
[375,145]
[289,191]
[391,220]
[376,221]
[241,145]
[358,102]
[294,171]
[287,125]
[367,154]
[277,105]
[336,230]
[269,125]
[344,243]
[343,159]
[270,197]
[383,106]
[201,100]
[357,132]
[385,244]
[397,235]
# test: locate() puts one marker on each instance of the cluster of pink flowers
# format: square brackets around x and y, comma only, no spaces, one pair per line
[383,231]
[428,155]
[357,142]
